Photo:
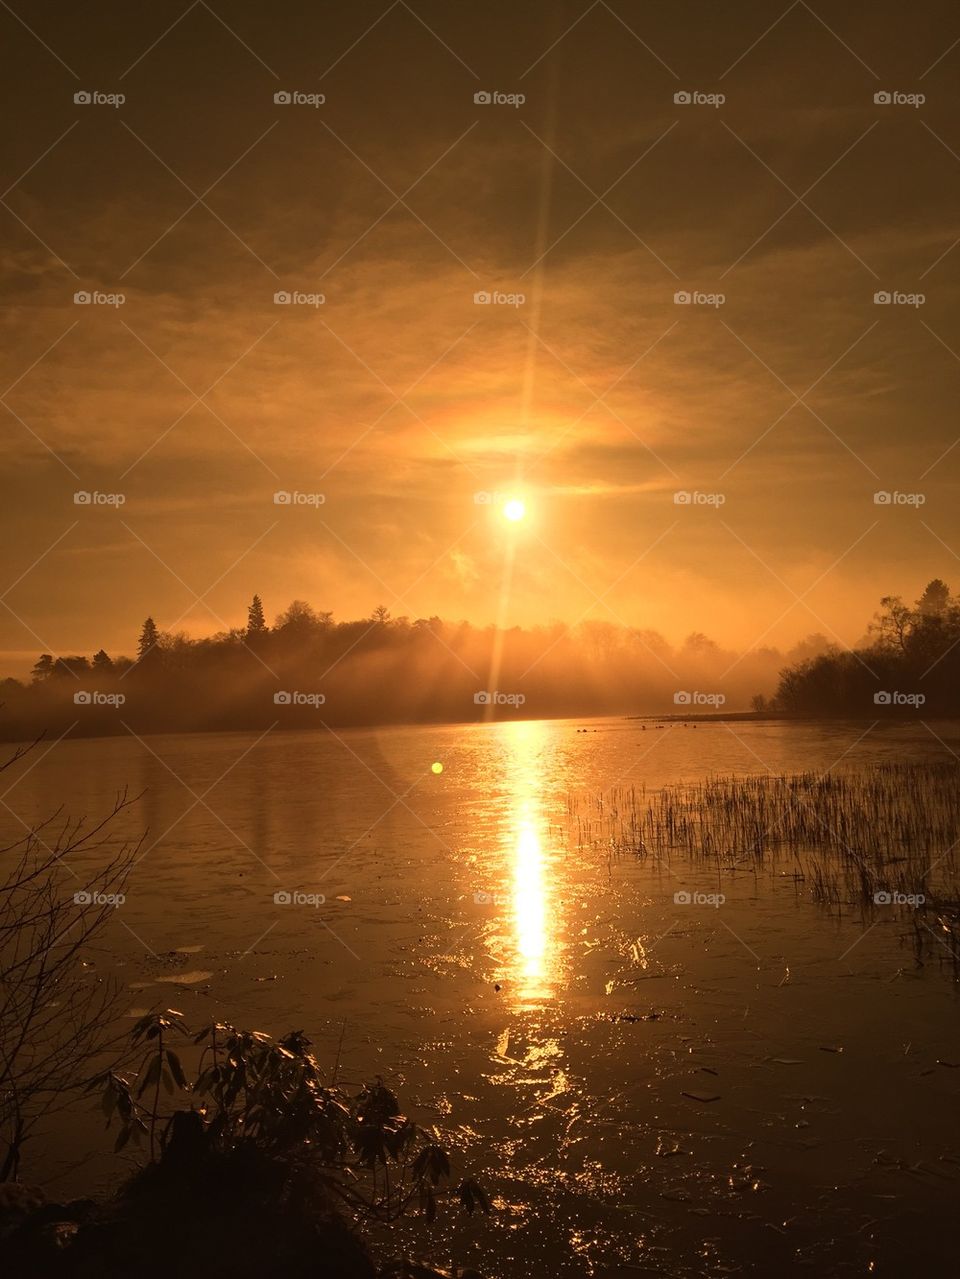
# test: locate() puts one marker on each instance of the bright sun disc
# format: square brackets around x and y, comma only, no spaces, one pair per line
[514,509]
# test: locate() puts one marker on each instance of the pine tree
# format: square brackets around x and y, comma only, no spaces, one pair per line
[147,645]
[256,622]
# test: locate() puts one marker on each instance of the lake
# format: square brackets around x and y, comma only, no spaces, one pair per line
[645,1087]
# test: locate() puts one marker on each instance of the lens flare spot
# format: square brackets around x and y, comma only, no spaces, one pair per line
[436,767]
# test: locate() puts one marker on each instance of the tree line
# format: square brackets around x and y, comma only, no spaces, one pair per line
[307,668]
[910,664]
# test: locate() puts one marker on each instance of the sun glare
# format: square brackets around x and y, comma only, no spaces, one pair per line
[514,510]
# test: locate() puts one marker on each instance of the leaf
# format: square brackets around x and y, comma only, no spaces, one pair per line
[173,1061]
[151,1077]
[438,1164]
[473,1195]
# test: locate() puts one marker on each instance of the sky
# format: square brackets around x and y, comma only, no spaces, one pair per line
[776,193]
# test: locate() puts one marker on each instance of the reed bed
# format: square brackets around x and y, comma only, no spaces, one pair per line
[853,835]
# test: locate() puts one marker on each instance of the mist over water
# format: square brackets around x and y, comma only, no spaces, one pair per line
[307,671]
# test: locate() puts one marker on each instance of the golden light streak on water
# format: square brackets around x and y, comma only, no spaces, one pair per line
[533,911]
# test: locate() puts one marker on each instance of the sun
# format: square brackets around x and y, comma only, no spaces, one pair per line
[514,510]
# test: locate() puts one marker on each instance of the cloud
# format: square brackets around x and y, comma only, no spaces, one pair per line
[400,397]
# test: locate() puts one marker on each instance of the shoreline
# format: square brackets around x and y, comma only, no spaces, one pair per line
[577,722]
[721,717]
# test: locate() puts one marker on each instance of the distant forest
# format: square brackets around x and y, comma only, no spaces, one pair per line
[910,665]
[308,670]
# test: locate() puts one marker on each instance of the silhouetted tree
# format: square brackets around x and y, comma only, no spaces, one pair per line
[53,1021]
[912,662]
[256,622]
[149,639]
[43,668]
[102,663]
[71,666]
[381,614]
[893,624]
[297,622]
[935,599]
[697,642]
[936,625]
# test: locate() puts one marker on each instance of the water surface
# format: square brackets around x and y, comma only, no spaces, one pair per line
[645,1087]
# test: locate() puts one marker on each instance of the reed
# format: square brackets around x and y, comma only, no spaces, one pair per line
[845,837]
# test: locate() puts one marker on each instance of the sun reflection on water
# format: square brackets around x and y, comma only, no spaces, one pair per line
[534,961]
[531,937]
